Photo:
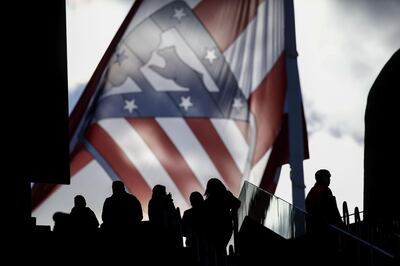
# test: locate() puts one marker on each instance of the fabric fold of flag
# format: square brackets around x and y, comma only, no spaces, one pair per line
[187,91]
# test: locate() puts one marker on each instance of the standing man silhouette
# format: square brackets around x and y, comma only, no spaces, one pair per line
[122,211]
[321,204]
[323,212]
[83,219]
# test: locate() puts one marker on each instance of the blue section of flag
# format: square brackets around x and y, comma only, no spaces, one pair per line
[196,100]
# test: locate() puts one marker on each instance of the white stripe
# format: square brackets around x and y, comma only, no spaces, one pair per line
[140,155]
[252,147]
[275,33]
[190,148]
[258,47]
[233,140]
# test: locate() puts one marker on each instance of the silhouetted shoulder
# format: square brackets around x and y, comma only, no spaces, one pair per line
[234,202]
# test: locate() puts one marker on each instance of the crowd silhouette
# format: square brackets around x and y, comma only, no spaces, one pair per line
[207,226]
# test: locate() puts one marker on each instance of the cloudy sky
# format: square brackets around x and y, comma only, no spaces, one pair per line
[342,46]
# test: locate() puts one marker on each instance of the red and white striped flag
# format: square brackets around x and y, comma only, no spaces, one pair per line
[187,91]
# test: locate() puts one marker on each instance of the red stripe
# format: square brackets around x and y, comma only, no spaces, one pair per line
[216,150]
[119,162]
[79,159]
[168,155]
[40,192]
[279,156]
[226,19]
[267,105]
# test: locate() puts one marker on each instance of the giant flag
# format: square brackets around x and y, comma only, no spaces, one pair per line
[187,91]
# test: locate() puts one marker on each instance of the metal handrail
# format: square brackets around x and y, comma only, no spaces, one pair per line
[332,226]
[362,241]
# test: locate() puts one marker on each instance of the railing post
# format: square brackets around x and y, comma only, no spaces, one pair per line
[357,218]
[346,216]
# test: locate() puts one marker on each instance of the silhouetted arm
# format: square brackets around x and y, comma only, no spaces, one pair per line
[233,201]
[106,213]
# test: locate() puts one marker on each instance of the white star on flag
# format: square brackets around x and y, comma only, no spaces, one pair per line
[237,104]
[130,105]
[186,103]
[120,56]
[211,56]
[179,14]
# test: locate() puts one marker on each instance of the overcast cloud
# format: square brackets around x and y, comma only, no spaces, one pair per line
[342,47]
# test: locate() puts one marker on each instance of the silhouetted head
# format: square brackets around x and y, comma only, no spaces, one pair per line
[323,176]
[79,201]
[159,190]
[196,199]
[59,217]
[214,187]
[118,187]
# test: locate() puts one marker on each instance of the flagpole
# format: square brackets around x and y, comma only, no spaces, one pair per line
[296,138]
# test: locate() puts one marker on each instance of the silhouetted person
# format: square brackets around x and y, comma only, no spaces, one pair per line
[163,216]
[82,217]
[323,210]
[193,229]
[122,211]
[320,202]
[220,206]
[62,223]
[192,219]
[161,206]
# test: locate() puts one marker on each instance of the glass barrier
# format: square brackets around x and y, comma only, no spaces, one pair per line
[274,213]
